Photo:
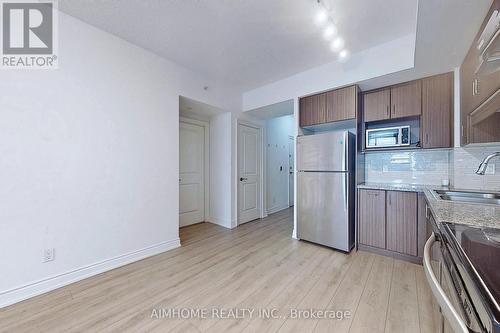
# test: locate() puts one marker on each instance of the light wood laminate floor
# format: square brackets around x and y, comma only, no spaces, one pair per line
[255,266]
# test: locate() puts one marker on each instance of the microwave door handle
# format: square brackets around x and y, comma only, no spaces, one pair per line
[447,308]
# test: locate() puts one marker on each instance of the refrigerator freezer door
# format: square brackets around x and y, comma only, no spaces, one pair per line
[322,212]
[323,152]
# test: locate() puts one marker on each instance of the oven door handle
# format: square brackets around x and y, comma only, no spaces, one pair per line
[447,308]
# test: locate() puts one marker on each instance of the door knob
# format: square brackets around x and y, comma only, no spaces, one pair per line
[242,179]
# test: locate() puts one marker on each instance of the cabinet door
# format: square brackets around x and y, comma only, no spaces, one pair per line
[437,119]
[476,85]
[402,222]
[372,218]
[312,110]
[376,105]
[422,224]
[406,99]
[305,109]
[341,104]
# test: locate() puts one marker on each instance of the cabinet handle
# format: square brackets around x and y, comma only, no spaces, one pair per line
[389,199]
[388,111]
[426,211]
[427,138]
[475,87]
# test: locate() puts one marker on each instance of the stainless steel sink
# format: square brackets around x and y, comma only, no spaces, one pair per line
[471,197]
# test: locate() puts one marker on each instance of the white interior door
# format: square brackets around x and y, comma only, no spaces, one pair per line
[291,163]
[191,175]
[249,189]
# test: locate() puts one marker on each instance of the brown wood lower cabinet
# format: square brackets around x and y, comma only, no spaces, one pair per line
[391,221]
[402,222]
[372,218]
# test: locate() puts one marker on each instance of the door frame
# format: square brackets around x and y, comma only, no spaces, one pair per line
[260,129]
[291,139]
[206,161]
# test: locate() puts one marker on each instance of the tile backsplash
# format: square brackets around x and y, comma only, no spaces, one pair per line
[465,164]
[430,167]
[408,167]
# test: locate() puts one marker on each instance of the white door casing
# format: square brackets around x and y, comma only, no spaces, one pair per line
[191,174]
[291,159]
[249,174]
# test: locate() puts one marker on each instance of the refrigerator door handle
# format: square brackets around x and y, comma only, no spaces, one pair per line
[346,191]
[345,152]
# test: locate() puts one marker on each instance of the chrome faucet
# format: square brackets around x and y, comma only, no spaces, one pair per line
[484,164]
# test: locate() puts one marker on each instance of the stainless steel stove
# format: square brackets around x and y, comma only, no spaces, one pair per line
[472,255]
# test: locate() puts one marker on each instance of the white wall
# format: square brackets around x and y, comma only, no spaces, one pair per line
[278,132]
[221,170]
[89,159]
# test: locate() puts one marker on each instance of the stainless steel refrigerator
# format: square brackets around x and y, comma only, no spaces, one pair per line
[326,189]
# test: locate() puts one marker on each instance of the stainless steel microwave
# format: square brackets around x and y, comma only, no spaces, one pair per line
[388,137]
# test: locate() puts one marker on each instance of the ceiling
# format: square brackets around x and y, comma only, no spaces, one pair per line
[445,32]
[246,43]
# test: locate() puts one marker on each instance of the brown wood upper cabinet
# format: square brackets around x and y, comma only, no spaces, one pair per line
[437,111]
[312,110]
[480,88]
[335,105]
[377,105]
[402,222]
[341,104]
[406,99]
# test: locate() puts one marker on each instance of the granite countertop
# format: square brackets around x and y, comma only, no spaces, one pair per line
[397,187]
[478,215]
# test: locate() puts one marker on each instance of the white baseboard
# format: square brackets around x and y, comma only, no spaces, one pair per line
[276,209]
[222,222]
[22,293]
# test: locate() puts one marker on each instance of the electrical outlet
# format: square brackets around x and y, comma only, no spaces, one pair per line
[490,169]
[49,255]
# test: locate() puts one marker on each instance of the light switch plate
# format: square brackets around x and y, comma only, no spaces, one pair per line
[49,255]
